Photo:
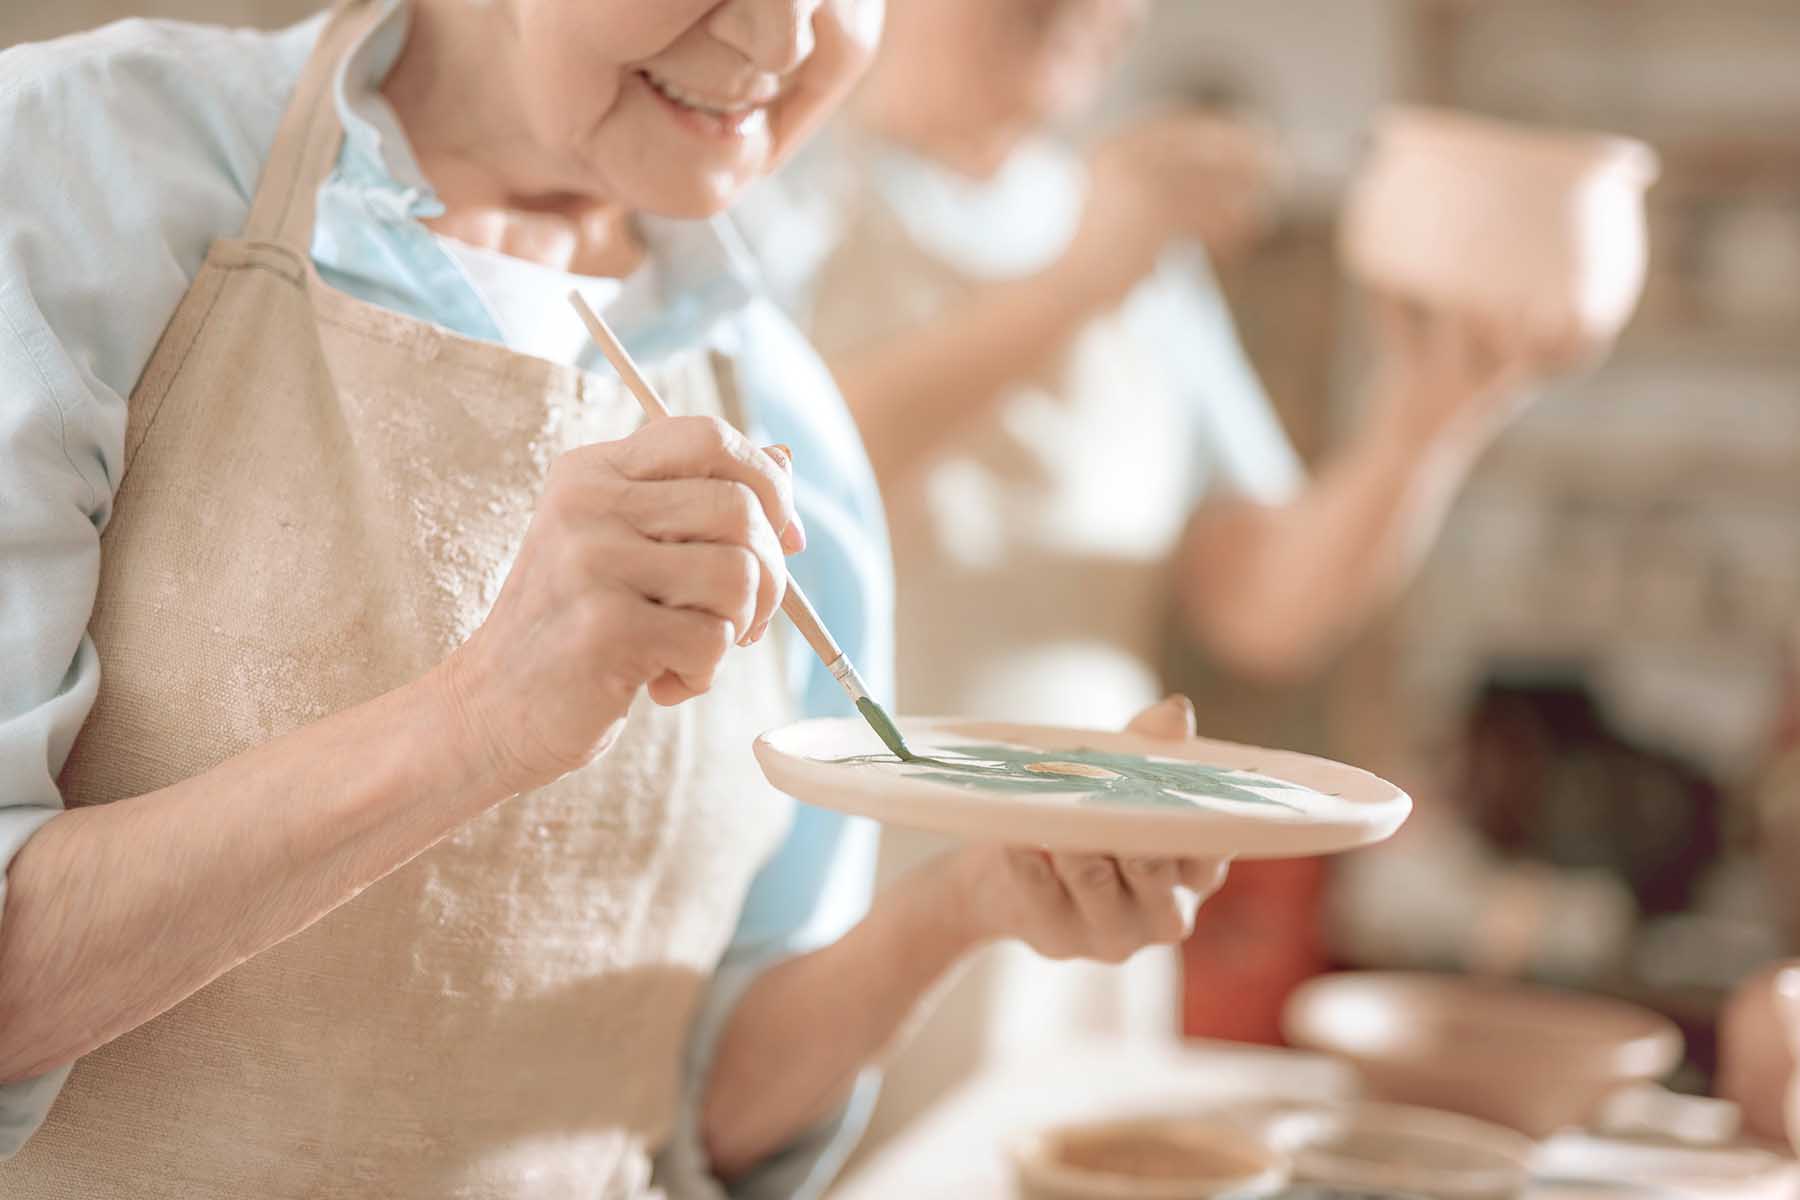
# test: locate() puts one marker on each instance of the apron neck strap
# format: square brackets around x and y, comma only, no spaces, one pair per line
[310,135]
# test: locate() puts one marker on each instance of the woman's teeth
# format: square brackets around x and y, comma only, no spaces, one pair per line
[687,99]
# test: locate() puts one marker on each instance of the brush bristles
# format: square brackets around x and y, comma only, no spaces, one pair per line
[884,728]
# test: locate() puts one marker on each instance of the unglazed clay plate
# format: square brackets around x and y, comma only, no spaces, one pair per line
[1086,790]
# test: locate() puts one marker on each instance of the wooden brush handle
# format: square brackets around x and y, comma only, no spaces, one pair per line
[799,610]
[616,354]
[795,604]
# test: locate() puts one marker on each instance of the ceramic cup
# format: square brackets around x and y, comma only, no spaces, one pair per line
[1149,1159]
[1517,223]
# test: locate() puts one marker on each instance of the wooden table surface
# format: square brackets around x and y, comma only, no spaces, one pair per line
[957,1149]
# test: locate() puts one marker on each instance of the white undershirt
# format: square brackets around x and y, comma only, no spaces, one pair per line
[529,301]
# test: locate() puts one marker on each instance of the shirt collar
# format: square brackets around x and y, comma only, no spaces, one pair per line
[701,271]
[1012,224]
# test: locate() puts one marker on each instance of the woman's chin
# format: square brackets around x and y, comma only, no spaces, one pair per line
[697,197]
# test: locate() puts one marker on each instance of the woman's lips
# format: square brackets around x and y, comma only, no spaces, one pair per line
[704,115]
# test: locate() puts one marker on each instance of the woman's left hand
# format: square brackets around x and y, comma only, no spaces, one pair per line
[1093,906]
[808,1025]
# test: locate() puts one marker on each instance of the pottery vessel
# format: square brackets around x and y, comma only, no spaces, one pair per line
[1397,1149]
[1532,1059]
[1649,1167]
[1756,1055]
[1147,1159]
[1504,220]
[1787,995]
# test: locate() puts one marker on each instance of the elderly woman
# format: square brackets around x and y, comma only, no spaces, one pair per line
[375,794]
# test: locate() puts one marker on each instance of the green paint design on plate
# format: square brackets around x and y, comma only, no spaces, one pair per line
[1132,779]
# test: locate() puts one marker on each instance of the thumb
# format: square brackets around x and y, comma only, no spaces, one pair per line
[1171,718]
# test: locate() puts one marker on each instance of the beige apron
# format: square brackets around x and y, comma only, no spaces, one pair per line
[1057,515]
[1034,580]
[320,501]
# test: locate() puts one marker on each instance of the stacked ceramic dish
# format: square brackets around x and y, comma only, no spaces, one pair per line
[1465,1077]
[1151,1159]
[1295,1151]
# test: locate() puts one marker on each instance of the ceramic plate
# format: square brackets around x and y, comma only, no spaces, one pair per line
[1395,1148]
[1086,790]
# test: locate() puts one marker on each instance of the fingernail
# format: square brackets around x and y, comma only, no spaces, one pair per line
[757,634]
[781,454]
[793,538]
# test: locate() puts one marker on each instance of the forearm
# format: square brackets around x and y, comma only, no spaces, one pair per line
[808,1026]
[913,393]
[1273,589]
[117,912]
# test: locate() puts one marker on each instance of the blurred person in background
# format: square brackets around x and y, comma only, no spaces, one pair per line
[1066,431]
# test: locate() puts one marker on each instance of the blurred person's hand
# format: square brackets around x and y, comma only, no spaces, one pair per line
[1440,371]
[1094,906]
[1181,175]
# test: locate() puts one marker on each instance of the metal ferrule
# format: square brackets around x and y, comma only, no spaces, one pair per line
[845,673]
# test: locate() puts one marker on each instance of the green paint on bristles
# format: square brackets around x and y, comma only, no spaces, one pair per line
[885,729]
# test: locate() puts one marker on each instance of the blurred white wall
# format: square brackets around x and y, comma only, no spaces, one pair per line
[1319,69]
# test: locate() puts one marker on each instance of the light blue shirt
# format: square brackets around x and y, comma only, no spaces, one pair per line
[126,152]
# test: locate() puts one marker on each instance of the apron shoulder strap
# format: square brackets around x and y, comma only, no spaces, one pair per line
[307,142]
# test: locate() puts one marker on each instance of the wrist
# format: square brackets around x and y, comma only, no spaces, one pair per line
[935,914]
[448,696]
[1421,433]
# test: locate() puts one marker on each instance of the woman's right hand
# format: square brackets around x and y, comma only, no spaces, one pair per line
[648,558]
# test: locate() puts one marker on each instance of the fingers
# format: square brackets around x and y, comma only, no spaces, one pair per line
[1203,876]
[1094,906]
[1124,904]
[1046,917]
[712,515]
[723,581]
[1171,718]
[709,448]
[711,511]
[1155,885]
[681,649]
[1112,927]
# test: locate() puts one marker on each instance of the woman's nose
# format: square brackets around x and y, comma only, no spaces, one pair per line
[775,35]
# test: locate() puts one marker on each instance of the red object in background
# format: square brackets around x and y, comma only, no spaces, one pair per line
[1254,942]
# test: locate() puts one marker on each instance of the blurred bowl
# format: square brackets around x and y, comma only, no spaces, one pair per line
[1508,221]
[1787,998]
[1396,1149]
[1160,1159]
[1653,1167]
[1532,1059]
[1756,1054]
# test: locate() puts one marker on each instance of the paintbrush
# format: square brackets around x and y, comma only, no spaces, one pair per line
[795,604]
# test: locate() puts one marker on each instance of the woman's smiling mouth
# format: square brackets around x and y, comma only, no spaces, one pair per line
[709,115]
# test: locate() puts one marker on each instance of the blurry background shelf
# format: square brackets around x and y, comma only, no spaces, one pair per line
[1637,535]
